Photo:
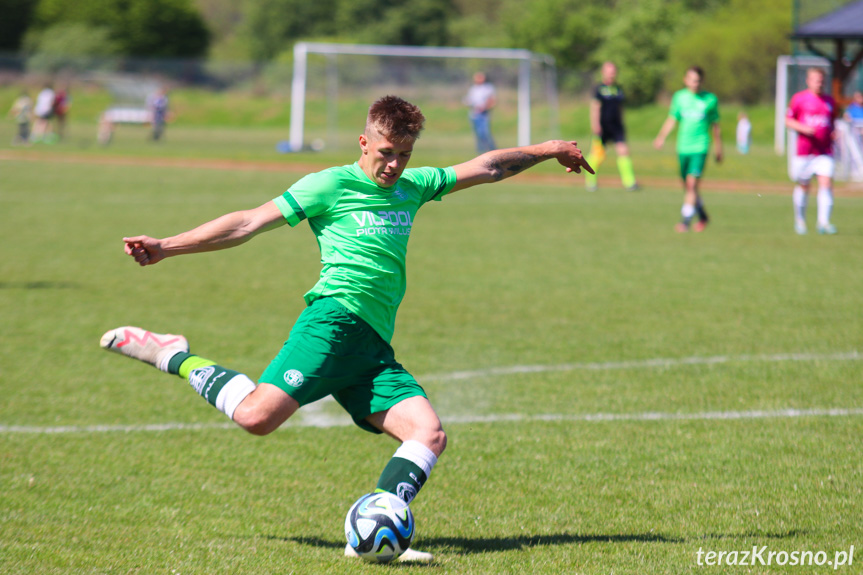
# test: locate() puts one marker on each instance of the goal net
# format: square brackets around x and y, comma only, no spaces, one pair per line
[333,85]
[848,147]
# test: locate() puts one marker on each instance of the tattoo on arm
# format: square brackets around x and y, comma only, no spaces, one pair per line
[508,164]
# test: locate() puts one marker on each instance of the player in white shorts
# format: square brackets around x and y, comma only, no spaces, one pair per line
[811,114]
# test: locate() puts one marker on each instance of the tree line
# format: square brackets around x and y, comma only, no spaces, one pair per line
[652,41]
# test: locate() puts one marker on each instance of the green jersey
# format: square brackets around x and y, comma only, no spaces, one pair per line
[695,114]
[362,231]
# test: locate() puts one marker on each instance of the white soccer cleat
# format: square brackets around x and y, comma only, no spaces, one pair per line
[800,227]
[412,556]
[409,556]
[154,348]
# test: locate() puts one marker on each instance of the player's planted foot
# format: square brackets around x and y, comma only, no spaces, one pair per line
[409,556]
[153,348]
[681,228]
[699,226]
[828,229]
[800,227]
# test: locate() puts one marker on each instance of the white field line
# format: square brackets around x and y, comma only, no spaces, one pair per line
[638,364]
[313,415]
[321,420]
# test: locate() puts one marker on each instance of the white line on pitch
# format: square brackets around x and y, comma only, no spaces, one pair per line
[635,364]
[321,420]
[313,416]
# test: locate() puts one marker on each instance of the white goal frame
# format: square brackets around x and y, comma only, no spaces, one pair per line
[524,57]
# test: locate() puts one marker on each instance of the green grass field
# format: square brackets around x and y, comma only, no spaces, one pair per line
[617,397]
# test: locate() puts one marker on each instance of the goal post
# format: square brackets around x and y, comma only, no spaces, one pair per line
[524,59]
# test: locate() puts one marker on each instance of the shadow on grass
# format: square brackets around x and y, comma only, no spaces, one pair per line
[39,285]
[495,544]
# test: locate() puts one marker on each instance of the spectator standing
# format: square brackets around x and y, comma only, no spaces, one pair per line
[158,106]
[481,98]
[22,111]
[44,111]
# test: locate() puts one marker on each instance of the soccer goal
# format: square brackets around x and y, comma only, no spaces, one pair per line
[331,78]
[790,79]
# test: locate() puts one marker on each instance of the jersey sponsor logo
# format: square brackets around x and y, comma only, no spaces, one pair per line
[817,120]
[400,195]
[383,222]
[294,378]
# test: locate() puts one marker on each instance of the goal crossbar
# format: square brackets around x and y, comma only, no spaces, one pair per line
[524,57]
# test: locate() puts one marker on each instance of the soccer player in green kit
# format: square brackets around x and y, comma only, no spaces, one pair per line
[698,115]
[362,215]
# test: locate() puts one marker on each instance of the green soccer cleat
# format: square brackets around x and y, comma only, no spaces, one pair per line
[157,349]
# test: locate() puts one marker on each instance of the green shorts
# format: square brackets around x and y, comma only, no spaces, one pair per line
[692,164]
[331,351]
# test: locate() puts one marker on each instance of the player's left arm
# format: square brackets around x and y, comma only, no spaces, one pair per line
[717,142]
[498,165]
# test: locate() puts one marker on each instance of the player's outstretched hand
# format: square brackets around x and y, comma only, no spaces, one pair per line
[146,250]
[573,159]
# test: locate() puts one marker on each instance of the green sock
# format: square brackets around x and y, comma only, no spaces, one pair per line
[627,174]
[401,478]
[407,471]
[207,382]
[224,388]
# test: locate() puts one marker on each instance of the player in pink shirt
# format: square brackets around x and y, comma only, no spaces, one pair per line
[811,114]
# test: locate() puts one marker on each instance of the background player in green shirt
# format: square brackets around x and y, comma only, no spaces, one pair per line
[362,215]
[698,114]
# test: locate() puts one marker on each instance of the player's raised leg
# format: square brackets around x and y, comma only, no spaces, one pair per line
[223,388]
[153,348]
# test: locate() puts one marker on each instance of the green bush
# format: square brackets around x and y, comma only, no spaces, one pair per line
[69,46]
[737,47]
[150,28]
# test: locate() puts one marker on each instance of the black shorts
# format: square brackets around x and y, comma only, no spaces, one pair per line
[612,133]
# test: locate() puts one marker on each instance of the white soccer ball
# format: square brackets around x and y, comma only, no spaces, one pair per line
[379,527]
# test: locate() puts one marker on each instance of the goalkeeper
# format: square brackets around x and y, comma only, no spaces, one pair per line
[362,215]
